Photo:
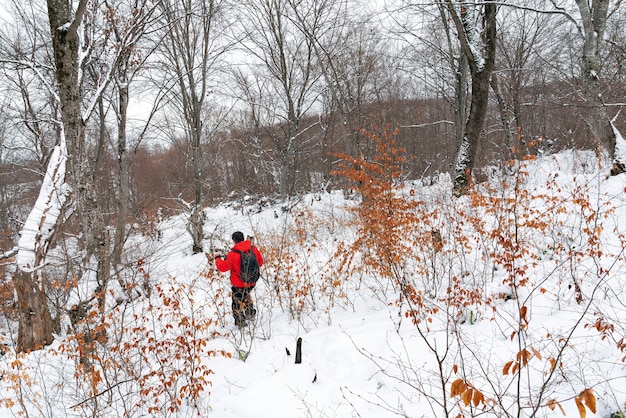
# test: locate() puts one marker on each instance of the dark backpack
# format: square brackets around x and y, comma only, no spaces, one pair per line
[250,271]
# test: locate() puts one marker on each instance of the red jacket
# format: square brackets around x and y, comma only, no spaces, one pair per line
[232,262]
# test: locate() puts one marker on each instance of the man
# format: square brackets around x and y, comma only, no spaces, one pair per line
[243,308]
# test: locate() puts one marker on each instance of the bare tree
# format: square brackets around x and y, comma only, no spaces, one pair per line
[593,21]
[351,57]
[278,85]
[35,322]
[127,29]
[522,33]
[432,56]
[194,46]
[452,46]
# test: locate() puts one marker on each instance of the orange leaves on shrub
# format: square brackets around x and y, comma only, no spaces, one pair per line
[553,363]
[15,378]
[522,358]
[175,349]
[604,327]
[384,215]
[466,393]
[507,368]
[536,353]
[581,408]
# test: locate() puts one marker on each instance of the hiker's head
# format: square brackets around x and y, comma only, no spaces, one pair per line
[237,237]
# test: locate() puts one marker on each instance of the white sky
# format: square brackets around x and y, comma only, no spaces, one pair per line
[4,11]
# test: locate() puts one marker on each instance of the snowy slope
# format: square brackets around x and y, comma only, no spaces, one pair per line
[362,356]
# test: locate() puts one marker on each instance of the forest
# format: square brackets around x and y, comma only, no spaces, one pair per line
[487,136]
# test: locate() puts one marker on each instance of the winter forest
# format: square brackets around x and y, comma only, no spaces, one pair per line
[437,188]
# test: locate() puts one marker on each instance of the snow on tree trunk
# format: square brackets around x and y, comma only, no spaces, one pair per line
[35,323]
[620,151]
[40,224]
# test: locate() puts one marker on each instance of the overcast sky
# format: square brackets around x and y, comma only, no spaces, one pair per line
[4,11]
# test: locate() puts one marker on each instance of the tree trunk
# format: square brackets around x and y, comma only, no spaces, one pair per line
[460,111]
[512,148]
[466,153]
[196,221]
[481,59]
[81,173]
[594,17]
[123,179]
[191,55]
[35,322]
[64,24]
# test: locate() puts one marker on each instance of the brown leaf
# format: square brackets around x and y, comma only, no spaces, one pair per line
[467,397]
[457,388]
[478,397]
[581,408]
[523,357]
[589,398]
[553,403]
[552,363]
[536,353]
[507,368]
[523,311]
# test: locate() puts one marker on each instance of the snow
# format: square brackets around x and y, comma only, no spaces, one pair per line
[620,143]
[361,355]
[65,27]
[43,217]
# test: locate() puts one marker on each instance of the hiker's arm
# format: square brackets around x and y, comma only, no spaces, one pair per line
[222,264]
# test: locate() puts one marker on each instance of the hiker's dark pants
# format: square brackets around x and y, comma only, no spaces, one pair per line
[243,308]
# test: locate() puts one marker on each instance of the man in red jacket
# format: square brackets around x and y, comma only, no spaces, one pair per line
[243,308]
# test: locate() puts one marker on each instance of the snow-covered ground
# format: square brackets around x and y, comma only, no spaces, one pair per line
[485,341]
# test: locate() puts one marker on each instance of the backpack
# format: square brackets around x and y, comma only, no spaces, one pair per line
[249,271]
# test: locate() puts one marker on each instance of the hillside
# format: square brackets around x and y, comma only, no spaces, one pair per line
[508,302]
